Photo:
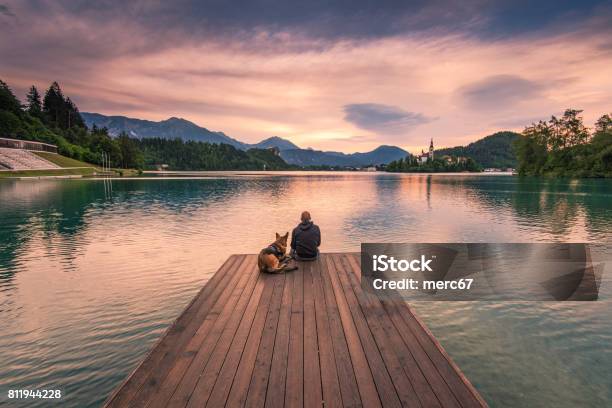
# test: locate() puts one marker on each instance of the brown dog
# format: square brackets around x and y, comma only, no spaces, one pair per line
[273,258]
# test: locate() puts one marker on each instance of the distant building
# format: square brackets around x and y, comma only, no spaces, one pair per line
[423,157]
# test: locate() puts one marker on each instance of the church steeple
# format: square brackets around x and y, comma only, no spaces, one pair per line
[431,149]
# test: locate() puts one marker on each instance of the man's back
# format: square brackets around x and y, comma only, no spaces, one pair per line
[305,239]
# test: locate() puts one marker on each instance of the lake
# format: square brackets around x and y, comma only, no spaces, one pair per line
[93,271]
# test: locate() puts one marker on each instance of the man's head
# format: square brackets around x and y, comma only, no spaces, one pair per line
[305,216]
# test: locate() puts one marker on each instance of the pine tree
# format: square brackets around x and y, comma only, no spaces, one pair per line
[8,100]
[54,105]
[34,102]
[61,111]
[74,118]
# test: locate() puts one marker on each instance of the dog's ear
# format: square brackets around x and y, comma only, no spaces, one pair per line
[286,235]
[277,236]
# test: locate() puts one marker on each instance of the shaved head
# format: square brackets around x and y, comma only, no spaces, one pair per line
[305,216]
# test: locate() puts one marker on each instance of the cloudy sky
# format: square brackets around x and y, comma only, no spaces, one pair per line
[344,75]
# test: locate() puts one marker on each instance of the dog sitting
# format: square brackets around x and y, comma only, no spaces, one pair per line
[273,258]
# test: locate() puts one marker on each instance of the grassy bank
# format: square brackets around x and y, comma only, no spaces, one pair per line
[70,167]
[62,161]
[87,171]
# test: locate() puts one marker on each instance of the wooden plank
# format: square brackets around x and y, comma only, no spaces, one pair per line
[228,349]
[363,374]
[250,328]
[346,375]
[329,375]
[365,352]
[177,333]
[256,395]
[275,395]
[196,354]
[456,380]
[164,379]
[412,346]
[240,385]
[460,386]
[441,389]
[409,381]
[209,358]
[294,390]
[308,338]
[313,394]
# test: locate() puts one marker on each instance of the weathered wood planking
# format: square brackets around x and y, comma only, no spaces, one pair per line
[308,338]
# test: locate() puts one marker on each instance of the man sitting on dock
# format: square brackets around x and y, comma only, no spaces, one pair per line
[305,239]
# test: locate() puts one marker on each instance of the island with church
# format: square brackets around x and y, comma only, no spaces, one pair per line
[427,163]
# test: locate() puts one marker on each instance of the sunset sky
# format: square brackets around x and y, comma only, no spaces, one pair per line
[347,75]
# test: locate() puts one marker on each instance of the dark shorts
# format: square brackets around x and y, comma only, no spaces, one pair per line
[299,258]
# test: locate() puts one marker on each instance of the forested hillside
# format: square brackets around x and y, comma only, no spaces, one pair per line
[54,118]
[495,150]
[190,155]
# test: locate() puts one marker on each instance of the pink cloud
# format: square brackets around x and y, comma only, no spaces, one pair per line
[286,84]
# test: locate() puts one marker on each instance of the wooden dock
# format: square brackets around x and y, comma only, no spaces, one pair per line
[307,338]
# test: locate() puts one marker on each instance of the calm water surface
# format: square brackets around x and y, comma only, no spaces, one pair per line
[90,278]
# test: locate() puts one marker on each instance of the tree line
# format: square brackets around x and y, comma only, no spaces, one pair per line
[445,164]
[192,155]
[55,119]
[565,147]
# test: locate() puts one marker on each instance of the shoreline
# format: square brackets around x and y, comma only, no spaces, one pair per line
[188,173]
[63,172]
[60,174]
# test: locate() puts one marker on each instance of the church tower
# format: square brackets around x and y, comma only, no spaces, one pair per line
[431,150]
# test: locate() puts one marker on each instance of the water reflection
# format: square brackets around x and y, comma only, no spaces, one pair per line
[44,208]
[577,210]
[91,271]
[352,208]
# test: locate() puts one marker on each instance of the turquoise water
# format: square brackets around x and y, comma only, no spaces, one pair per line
[92,271]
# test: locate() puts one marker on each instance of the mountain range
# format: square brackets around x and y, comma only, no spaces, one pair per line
[167,129]
[183,129]
[308,157]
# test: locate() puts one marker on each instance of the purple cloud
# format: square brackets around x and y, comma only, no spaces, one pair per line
[499,91]
[6,11]
[383,119]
